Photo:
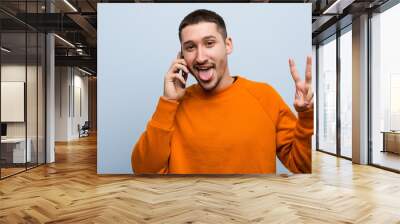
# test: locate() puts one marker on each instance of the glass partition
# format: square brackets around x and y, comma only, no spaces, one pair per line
[13,110]
[346,93]
[385,89]
[327,96]
[22,78]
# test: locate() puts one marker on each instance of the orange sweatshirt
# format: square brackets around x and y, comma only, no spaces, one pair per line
[240,129]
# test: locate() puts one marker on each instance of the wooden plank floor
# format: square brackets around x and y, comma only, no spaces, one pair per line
[10,171]
[70,191]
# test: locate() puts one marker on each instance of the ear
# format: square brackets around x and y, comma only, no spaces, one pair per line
[228,45]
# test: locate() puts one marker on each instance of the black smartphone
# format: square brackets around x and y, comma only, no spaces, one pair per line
[181,72]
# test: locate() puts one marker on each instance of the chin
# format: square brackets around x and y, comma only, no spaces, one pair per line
[209,86]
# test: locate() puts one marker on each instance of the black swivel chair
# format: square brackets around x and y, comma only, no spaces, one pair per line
[84,130]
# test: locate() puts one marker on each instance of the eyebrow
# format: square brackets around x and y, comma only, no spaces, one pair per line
[204,38]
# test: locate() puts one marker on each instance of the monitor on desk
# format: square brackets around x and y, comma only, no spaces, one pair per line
[3,130]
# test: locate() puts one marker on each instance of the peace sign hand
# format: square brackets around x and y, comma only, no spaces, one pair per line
[304,95]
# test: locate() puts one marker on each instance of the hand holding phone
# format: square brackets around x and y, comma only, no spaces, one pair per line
[175,79]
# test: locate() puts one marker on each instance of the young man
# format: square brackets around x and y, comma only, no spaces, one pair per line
[223,124]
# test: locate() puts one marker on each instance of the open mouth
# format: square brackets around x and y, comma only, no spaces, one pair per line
[205,73]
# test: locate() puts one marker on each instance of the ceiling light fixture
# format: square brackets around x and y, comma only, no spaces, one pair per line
[70,5]
[65,41]
[84,71]
[5,50]
[337,7]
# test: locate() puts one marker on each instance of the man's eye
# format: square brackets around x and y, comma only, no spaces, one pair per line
[210,43]
[189,48]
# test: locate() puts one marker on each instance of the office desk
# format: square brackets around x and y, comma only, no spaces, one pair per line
[13,150]
[391,141]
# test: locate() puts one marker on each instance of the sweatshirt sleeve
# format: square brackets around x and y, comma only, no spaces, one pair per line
[293,138]
[151,152]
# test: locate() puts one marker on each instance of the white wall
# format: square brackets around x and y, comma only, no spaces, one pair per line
[69,84]
[61,103]
[16,72]
[79,117]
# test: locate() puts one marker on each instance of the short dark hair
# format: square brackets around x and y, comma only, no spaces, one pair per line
[203,15]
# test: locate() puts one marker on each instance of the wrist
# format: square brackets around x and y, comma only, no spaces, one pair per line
[306,114]
[169,99]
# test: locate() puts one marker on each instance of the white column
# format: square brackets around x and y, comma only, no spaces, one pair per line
[50,92]
[360,90]
[50,110]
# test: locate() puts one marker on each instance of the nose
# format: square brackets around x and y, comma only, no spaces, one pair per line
[201,56]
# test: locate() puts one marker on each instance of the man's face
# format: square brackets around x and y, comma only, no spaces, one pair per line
[205,52]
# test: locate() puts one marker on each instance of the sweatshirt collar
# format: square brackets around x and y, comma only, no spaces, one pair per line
[199,91]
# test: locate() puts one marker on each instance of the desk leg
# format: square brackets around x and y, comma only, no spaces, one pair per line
[384,142]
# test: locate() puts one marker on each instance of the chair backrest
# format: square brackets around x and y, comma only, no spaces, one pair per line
[86,125]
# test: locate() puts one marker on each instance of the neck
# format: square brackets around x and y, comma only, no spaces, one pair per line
[225,82]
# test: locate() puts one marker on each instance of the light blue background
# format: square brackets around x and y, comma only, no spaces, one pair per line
[137,43]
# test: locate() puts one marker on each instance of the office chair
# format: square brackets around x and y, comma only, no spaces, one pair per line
[84,130]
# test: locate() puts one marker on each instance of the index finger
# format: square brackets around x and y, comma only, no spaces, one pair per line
[293,71]
[308,70]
